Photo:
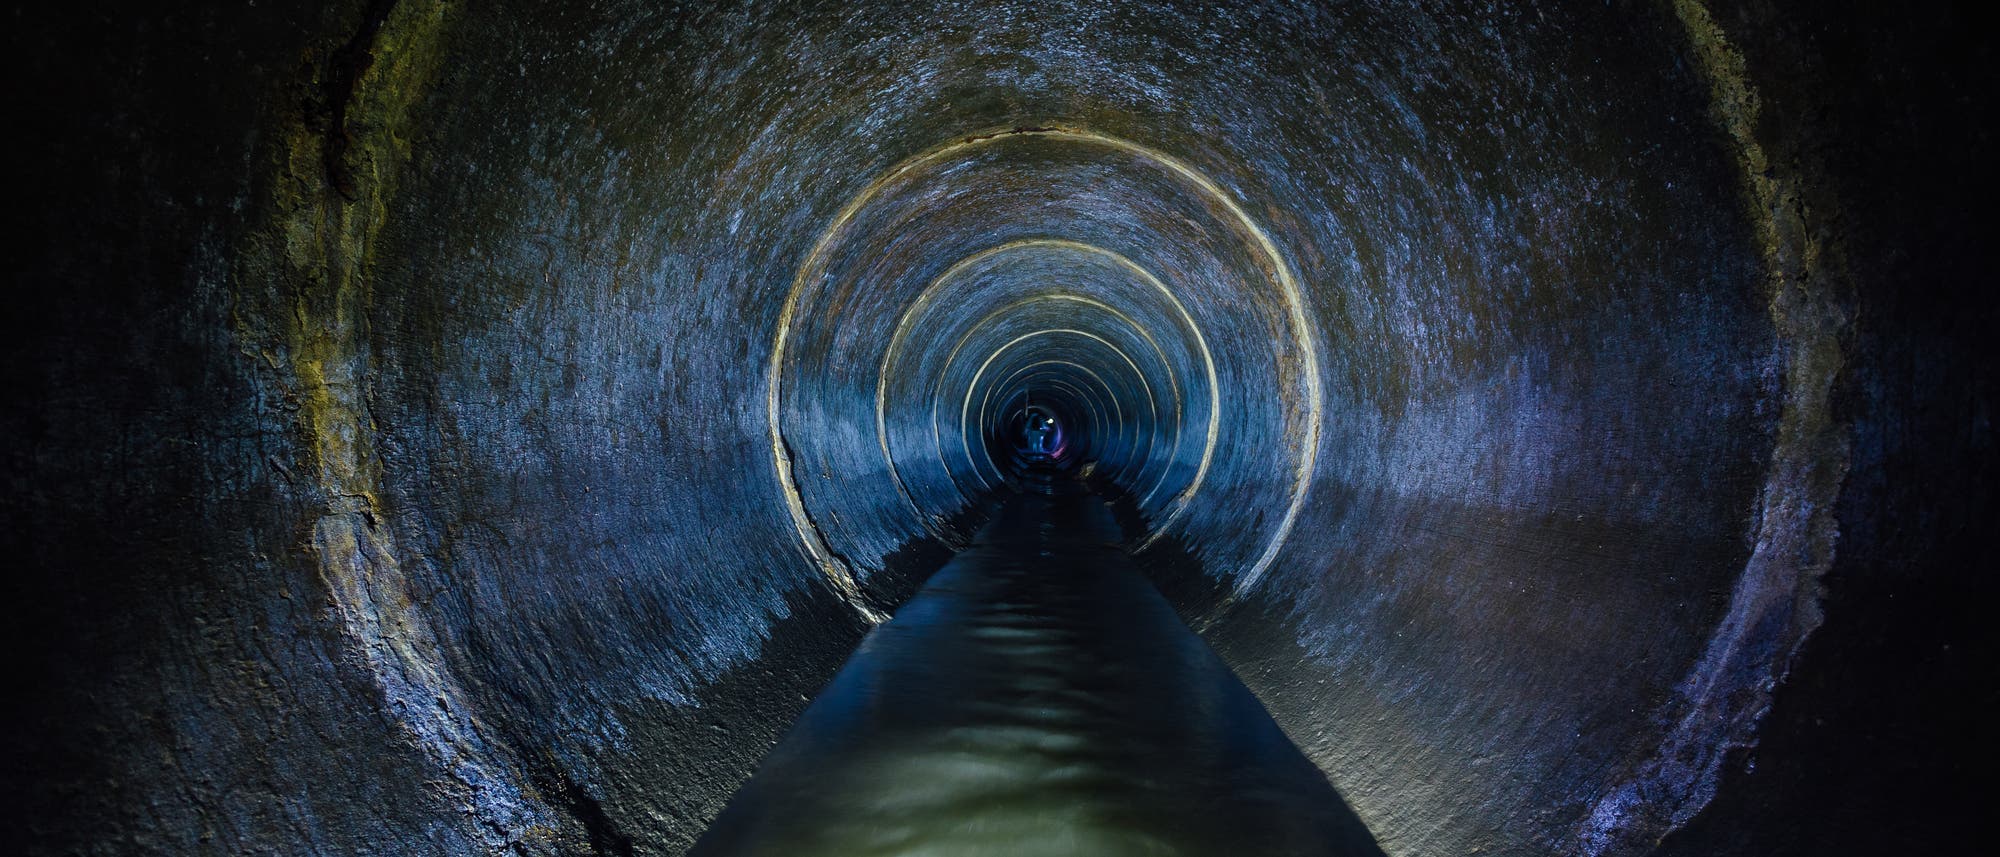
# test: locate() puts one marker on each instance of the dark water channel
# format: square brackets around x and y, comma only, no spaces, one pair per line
[1037,697]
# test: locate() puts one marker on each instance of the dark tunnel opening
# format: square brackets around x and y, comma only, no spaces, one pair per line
[1521,428]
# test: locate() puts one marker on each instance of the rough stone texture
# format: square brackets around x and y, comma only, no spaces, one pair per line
[396,461]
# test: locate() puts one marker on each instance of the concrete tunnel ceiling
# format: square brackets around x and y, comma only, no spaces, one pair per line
[1473,369]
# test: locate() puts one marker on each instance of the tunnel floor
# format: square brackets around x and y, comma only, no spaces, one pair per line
[1037,696]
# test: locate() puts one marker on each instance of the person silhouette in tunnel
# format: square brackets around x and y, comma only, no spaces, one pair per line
[1040,438]
[1041,433]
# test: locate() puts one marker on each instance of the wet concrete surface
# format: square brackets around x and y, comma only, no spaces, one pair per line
[1038,696]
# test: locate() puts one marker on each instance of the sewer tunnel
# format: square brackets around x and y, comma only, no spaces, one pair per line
[476,428]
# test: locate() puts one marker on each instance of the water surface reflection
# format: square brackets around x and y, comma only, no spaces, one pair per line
[1037,697]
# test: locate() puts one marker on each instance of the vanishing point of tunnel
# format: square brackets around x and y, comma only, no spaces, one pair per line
[1083,427]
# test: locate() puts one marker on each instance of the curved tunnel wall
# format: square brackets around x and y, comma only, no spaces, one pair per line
[608,358]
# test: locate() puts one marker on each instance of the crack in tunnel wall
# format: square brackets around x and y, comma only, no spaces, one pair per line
[572,385]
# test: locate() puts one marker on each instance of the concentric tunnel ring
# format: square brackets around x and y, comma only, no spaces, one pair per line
[1188,326]
[936,393]
[967,427]
[1126,323]
[1102,409]
[835,285]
